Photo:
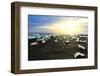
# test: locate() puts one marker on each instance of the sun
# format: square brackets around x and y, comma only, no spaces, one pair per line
[66,27]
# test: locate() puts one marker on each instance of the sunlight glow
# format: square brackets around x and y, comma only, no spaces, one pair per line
[64,27]
[71,26]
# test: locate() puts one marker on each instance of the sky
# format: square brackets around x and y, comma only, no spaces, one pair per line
[57,24]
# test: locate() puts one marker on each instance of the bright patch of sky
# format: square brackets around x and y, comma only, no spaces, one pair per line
[57,24]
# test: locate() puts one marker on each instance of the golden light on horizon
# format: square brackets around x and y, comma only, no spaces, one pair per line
[69,26]
[66,27]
